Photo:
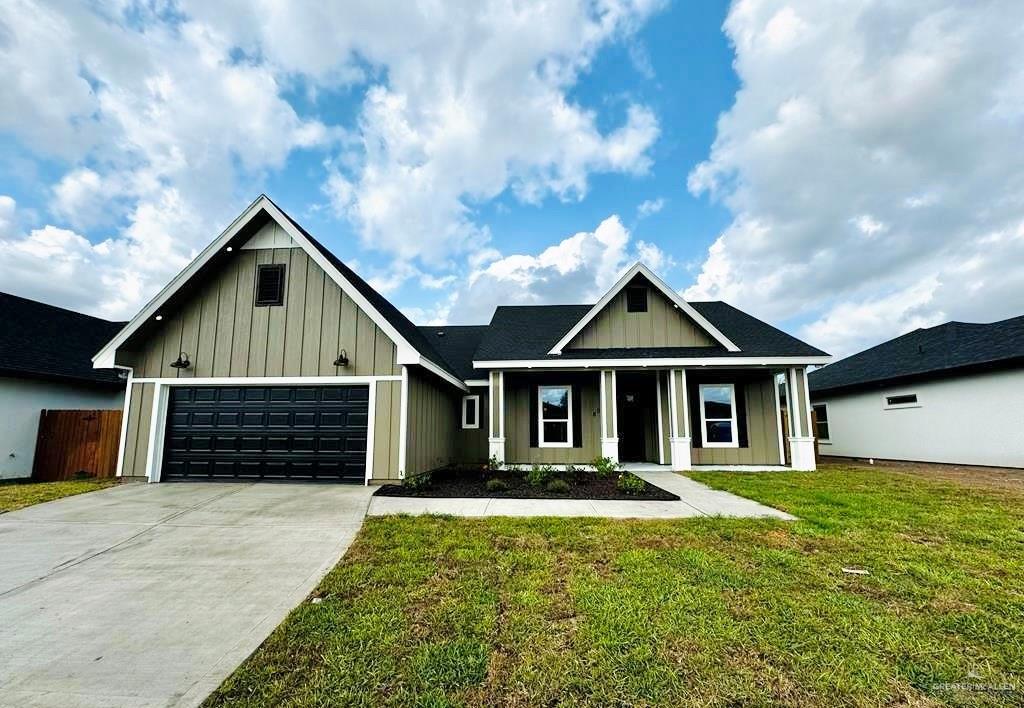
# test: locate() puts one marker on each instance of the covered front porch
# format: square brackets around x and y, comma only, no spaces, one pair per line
[652,418]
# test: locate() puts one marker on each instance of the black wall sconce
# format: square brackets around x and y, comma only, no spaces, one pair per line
[342,359]
[181,362]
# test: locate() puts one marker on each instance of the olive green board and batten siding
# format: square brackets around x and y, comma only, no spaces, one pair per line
[471,443]
[517,420]
[434,419]
[224,334]
[762,429]
[663,325]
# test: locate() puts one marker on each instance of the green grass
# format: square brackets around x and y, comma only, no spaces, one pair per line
[435,611]
[17,494]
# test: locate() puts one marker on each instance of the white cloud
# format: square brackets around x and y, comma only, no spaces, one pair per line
[578,269]
[898,120]
[649,207]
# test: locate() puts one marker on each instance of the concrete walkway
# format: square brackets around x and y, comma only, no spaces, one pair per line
[150,595]
[695,499]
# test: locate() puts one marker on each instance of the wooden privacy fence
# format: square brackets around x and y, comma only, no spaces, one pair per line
[71,443]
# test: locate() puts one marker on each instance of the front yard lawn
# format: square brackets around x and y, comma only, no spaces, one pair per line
[17,494]
[441,611]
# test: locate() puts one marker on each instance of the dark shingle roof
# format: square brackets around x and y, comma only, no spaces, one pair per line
[925,353]
[47,342]
[530,331]
[457,344]
[388,311]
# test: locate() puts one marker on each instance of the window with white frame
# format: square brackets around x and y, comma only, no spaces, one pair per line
[554,416]
[821,422]
[470,412]
[718,415]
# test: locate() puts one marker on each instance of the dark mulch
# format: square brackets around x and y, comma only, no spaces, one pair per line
[471,483]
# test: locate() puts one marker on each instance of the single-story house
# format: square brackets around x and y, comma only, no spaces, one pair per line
[953,393]
[45,363]
[267,357]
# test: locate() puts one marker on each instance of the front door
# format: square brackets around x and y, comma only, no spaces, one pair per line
[635,410]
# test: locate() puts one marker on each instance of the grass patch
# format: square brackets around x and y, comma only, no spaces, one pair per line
[17,494]
[442,611]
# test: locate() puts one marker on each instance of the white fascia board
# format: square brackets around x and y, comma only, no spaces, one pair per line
[438,371]
[641,269]
[407,354]
[477,382]
[647,363]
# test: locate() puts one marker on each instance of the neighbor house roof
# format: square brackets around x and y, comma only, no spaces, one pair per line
[46,342]
[944,350]
[528,332]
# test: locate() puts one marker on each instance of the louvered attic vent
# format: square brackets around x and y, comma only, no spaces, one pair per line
[270,285]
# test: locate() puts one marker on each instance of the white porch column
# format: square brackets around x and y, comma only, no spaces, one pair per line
[801,438]
[679,421]
[496,417]
[609,416]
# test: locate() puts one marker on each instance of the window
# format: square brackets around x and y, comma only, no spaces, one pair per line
[270,285]
[718,415]
[554,416]
[821,421]
[909,399]
[636,299]
[470,412]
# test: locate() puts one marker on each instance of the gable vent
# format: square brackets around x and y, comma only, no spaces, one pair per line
[636,299]
[270,285]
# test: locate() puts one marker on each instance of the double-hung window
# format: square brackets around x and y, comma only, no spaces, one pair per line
[554,416]
[470,412]
[718,415]
[821,421]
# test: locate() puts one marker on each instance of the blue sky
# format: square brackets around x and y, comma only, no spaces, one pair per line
[839,169]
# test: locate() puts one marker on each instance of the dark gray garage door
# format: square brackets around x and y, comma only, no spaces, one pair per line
[266,432]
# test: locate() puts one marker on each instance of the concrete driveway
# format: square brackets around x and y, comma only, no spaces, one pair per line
[150,595]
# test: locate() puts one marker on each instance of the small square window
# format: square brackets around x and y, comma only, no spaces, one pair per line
[636,299]
[270,285]
[821,421]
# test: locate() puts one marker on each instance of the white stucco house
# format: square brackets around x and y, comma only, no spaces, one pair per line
[953,393]
[46,363]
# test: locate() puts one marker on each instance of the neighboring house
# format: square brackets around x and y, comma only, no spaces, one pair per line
[268,357]
[952,393]
[45,363]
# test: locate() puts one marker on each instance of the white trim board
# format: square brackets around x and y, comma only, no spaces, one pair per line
[269,380]
[640,269]
[640,363]
[475,400]
[407,354]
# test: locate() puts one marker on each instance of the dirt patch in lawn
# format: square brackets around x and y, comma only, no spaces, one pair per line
[473,483]
[991,478]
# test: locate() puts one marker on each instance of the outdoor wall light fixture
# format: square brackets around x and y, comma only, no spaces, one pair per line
[181,362]
[342,359]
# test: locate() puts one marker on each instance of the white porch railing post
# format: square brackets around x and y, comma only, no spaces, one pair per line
[679,421]
[609,416]
[496,417]
[801,438]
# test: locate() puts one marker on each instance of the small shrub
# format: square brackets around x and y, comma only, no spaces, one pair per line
[605,468]
[419,481]
[557,486]
[630,483]
[492,464]
[496,485]
[538,475]
[576,474]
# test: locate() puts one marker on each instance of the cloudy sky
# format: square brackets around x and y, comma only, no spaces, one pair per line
[846,170]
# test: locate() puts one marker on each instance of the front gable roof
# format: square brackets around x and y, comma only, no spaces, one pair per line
[661,286]
[413,347]
[527,333]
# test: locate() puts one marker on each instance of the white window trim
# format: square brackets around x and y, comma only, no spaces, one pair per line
[897,406]
[541,419]
[704,421]
[475,400]
[828,422]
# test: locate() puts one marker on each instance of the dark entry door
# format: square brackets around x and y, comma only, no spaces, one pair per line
[635,407]
[266,432]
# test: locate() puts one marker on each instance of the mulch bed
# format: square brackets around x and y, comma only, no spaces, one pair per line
[471,483]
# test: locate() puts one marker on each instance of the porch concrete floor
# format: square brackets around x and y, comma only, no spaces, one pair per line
[695,499]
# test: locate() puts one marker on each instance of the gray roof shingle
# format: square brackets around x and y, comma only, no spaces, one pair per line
[46,342]
[457,344]
[954,347]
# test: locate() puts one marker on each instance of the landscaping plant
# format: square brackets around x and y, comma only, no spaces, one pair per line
[630,483]
[604,467]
